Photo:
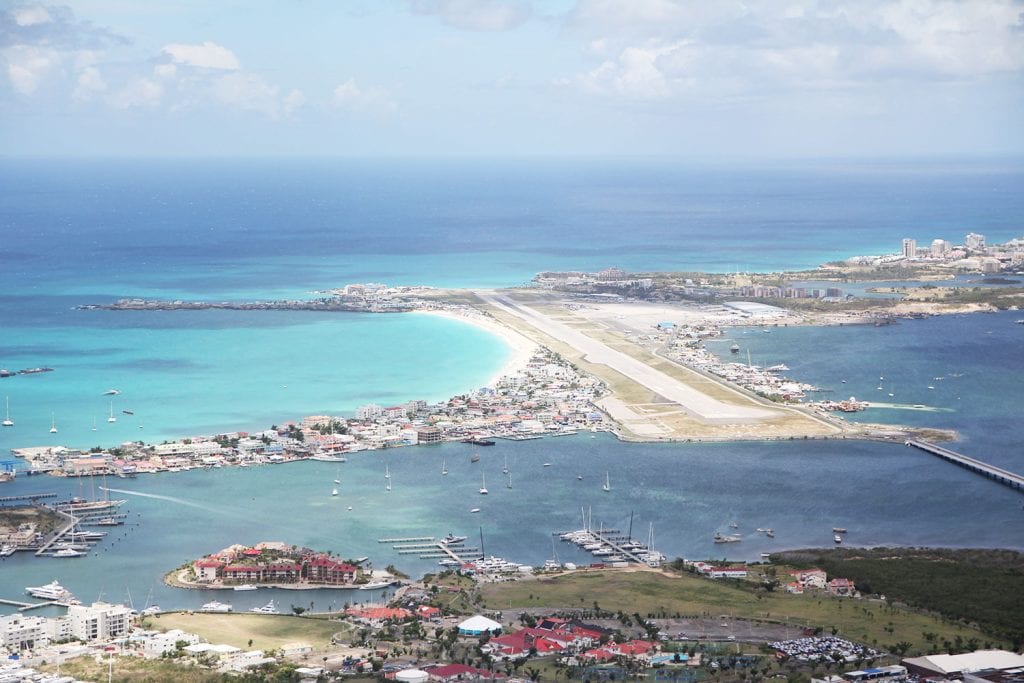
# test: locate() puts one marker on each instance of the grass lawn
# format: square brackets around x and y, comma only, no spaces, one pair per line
[655,593]
[267,631]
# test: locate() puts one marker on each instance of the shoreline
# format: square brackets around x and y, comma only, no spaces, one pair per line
[521,348]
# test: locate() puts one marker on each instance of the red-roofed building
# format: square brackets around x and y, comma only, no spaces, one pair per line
[810,578]
[427,612]
[520,644]
[252,552]
[323,569]
[599,655]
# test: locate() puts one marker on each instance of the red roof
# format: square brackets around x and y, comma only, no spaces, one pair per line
[209,563]
[252,552]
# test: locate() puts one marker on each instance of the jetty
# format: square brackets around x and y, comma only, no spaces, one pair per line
[1004,477]
[430,548]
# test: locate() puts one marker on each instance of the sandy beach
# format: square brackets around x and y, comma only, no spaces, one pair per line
[522,348]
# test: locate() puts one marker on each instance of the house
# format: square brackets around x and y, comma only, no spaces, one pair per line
[726,572]
[841,587]
[208,569]
[427,612]
[457,672]
[810,578]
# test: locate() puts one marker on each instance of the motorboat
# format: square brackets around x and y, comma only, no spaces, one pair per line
[246,587]
[452,538]
[373,585]
[215,606]
[837,538]
[150,611]
[51,591]
[268,608]
[474,510]
[68,552]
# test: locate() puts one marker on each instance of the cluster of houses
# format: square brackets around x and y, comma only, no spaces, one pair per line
[272,563]
[817,579]
[545,397]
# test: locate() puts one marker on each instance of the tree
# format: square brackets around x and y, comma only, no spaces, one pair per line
[298,610]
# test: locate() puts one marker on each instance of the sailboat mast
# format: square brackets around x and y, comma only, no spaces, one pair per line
[629,534]
[482,555]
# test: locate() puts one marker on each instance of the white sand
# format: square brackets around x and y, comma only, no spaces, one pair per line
[522,348]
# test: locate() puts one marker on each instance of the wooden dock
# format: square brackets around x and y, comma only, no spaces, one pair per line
[1005,477]
[428,548]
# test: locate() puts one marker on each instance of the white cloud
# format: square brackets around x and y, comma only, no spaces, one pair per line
[248,92]
[90,82]
[28,65]
[293,101]
[475,15]
[734,48]
[31,16]
[350,96]
[205,55]
[140,93]
[165,70]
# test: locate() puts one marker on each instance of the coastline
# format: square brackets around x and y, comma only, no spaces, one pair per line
[521,349]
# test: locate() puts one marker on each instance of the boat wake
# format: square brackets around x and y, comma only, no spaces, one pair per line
[172,499]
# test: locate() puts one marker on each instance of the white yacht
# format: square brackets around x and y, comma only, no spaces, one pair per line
[245,587]
[8,422]
[483,485]
[607,483]
[111,418]
[216,607]
[51,591]
[334,491]
[150,611]
[68,552]
[53,424]
[268,608]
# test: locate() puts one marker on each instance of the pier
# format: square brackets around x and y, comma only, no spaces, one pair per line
[430,548]
[1004,477]
[60,533]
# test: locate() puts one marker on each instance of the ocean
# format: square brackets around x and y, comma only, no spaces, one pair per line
[78,232]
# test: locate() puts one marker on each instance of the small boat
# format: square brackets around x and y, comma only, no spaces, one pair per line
[246,587]
[607,483]
[128,412]
[734,525]
[268,608]
[111,392]
[483,485]
[444,467]
[337,481]
[349,508]
[837,538]
[215,606]
[731,538]
[547,464]
[94,424]
[373,585]
[68,552]
[480,442]
[769,533]
[451,538]
[111,418]
[838,530]
[334,491]
[53,424]
[474,510]
[150,611]
[8,422]
[475,457]
[7,550]
[387,472]
[579,477]
[735,348]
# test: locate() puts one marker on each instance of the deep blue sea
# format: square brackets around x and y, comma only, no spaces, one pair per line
[74,232]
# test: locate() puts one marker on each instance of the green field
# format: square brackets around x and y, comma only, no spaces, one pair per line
[659,594]
[267,631]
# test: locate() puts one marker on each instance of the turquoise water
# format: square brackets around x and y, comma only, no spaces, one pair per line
[203,372]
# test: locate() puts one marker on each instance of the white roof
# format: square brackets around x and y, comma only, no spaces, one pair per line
[979,660]
[479,623]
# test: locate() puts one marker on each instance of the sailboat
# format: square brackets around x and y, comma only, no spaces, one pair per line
[607,483]
[8,422]
[483,484]
[338,475]
[111,418]
[94,424]
[504,470]
[53,424]
[334,491]
[444,467]
[387,478]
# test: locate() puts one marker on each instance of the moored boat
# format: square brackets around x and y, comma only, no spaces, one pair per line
[215,606]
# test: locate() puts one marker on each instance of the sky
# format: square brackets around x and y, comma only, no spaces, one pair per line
[688,79]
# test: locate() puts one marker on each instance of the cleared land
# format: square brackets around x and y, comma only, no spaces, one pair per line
[658,593]
[267,631]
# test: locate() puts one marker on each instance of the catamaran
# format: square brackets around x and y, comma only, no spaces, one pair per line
[483,484]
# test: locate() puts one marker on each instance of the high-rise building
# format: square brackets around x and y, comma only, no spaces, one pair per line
[940,248]
[909,248]
[974,241]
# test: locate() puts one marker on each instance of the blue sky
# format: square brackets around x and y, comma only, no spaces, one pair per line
[679,78]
